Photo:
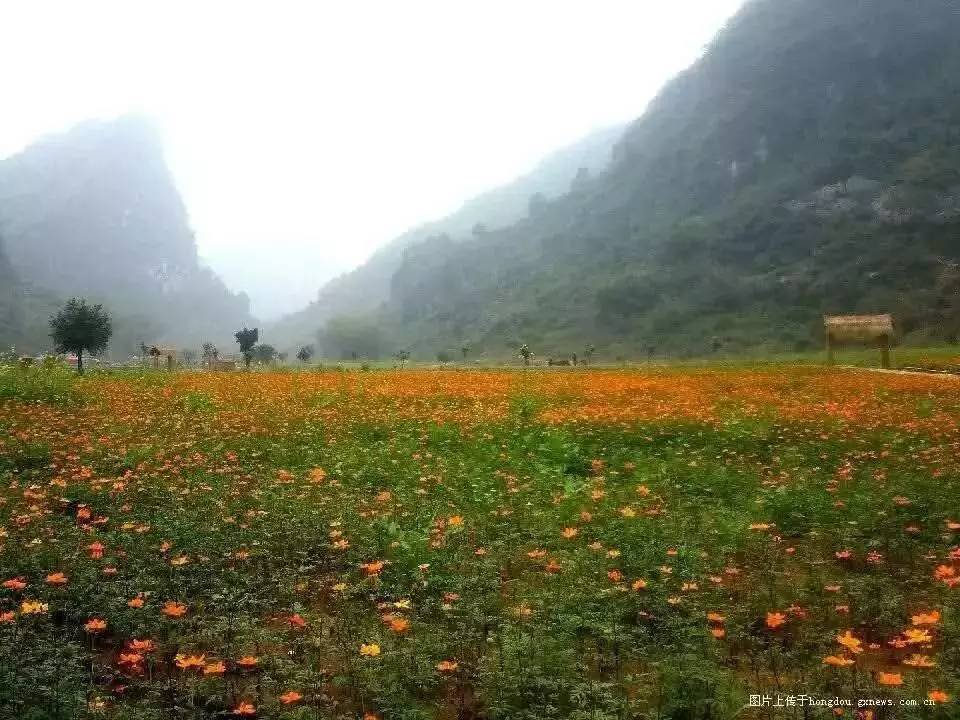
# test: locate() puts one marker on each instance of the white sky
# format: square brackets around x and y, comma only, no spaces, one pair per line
[305,134]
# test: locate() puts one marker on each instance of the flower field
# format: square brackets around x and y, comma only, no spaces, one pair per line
[481,544]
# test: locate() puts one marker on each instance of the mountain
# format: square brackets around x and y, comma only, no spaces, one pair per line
[24,310]
[363,290]
[94,212]
[807,163]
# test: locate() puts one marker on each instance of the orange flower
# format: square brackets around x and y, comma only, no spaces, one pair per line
[718,632]
[248,662]
[775,620]
[850,642]
[570,532]
[214,668]
[136,602]
[32,607]
[890,678]
[716,617]
[837,661]
[7,617]
[916,636]
[95,625]
[447,666]
[131,658]
[96,550]
[14,584]
[399,625]
[296,621]
[615,576]
[919,661]
[372,650]
[638,585]
[938,696]
[187,662]
[142,645]
[930,618]
[245,708]
[290,697]
[174,609]
[455,520]
[944,571]
[373,568]
[57,578]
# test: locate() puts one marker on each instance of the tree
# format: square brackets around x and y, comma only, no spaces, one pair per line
[464,351]
[402,356]
[264,353]
[282,356]
[78,327]
[155,353]
[588,352]
[189,356]
[247,339]
[444,357]
[305,353]
[210,353]
[526,353]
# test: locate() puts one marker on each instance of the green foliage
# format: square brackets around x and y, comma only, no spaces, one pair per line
[246,339]
[305,353]
[79,327]
[352,337]
[264,353]
[95,212]
[734,209]
[50,383]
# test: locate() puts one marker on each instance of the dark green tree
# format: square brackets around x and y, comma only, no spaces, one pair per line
[210,353]
[525,354]
[79,327]
[305,353]
[402,356]
[246,339]
[264,353]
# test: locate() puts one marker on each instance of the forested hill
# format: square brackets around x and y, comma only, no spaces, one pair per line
[364,289]
[809,162]
[95,212]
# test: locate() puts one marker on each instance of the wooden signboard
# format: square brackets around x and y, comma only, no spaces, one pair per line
[859,328]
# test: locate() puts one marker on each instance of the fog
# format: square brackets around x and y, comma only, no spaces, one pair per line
[304,135]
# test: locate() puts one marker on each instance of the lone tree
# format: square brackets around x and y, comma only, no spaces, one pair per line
[465,350]
[526,353]
[305,353]
[210,353]
[588,352]
[402,356]
[264,353]
[247,339]
[78,327]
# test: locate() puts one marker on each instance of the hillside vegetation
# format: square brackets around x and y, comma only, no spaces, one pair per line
[95,212]
[362,291]
[806,164]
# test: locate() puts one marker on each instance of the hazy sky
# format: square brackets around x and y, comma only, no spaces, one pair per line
[305,134]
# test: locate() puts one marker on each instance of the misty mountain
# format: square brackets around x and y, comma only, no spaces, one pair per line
[364,289]
[808,163]
[94,212]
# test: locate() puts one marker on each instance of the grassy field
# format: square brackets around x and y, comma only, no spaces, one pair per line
[629,543]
